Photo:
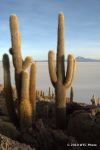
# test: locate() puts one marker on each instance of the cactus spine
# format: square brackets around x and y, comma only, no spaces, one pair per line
[60,81]
[8,90]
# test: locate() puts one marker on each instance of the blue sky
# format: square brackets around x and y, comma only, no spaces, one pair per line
[38,26]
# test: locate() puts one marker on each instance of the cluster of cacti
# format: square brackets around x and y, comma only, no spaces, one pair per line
[25,82]
[50,94]
[42,94]
[61,80]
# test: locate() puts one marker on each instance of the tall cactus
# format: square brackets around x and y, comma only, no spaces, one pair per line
[8,90]
[21,116]
[61,80]
[15,51]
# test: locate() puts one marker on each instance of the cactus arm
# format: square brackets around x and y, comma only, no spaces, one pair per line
[27,62]
[32,89]
[70,71]
[52,67]
[8,90]
[60,49]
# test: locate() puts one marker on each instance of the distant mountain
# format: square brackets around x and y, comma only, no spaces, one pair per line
[83,59]
[78,59]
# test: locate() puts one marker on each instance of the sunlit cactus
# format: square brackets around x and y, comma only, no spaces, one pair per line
[27,62]
[15,51]
[8,90]
[61,80]
[32,89]
[21,113]
[25,106]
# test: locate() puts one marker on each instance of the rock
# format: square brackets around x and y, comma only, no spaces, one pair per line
[85,127]
[8,129]
[8,144]
[48,139]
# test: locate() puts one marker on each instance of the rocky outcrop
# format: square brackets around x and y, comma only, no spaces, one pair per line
[85,126]
[8,144]
[8,129]
[47,139]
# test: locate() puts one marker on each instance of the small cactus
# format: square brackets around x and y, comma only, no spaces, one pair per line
[59,79]
[49,93]
[53,95]
[41,93]
[93,100]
